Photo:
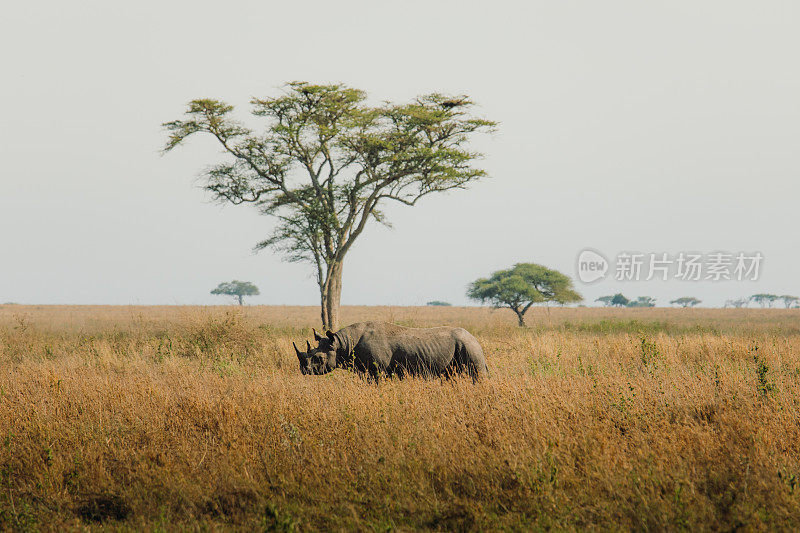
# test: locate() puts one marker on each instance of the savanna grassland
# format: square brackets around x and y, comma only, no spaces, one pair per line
[164,418]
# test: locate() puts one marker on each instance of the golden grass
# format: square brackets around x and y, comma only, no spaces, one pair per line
[197,418]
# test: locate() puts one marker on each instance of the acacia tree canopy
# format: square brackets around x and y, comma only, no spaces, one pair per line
[686,301]
[737,302]
[643,301]
[789,300]
[523,285]
[605,300]
[238,289]
[764,300]
[618,300]
[326,161]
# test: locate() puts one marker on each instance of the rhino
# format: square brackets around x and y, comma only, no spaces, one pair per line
[374,349]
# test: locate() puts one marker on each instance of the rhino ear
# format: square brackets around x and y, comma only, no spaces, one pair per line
[329,333]
[317,336]
[308,346]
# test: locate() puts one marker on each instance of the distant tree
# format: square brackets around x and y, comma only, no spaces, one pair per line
[523,285]
[237,289]
[439,303]
[606,300]
[763,299]
[643,301]
[618,300]
[327,162]
[686,301]
[789,301]
[737,303]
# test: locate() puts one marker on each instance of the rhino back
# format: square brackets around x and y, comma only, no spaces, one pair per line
[431,348]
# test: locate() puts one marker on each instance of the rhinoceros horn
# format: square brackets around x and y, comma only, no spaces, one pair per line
[299,356]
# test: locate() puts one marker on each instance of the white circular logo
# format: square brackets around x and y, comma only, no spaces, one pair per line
[592,266]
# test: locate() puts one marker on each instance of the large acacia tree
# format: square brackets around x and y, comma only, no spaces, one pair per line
[326,161]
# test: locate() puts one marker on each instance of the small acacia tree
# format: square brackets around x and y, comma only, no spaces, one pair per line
[326,161]
[619,300]
[643,301]
[686,301]
[737,303]
[789,300]
[764,300]
[237,289]
[520,287]
[605,300]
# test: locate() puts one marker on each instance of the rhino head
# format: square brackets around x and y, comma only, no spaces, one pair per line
[319,360]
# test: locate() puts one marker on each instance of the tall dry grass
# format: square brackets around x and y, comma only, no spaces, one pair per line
[197,418]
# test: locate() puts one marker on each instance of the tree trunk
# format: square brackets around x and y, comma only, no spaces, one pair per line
[323,305]
[520,317]
[331,296]
[241,299]
[334,296]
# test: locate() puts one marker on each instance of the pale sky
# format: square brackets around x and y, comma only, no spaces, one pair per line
[624,125]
